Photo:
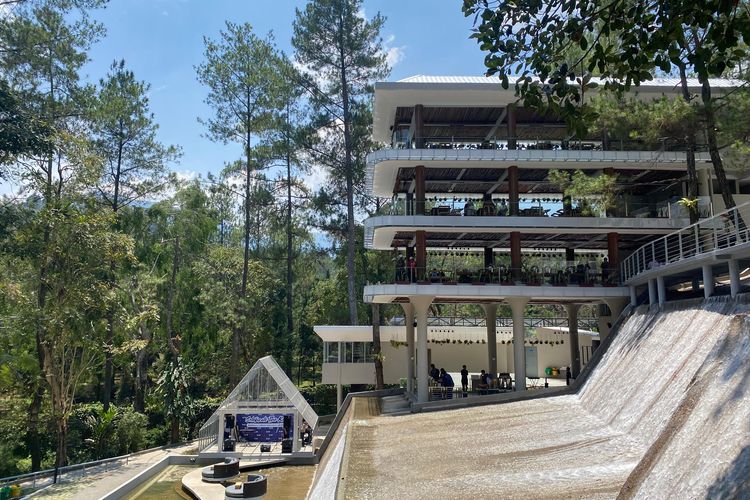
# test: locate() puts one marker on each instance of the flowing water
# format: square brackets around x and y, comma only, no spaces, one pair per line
[665,413]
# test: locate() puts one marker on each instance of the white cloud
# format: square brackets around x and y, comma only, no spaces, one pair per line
[315,178]
[164,13]
[394,54]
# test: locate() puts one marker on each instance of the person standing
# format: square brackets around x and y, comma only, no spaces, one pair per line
[605,271]
[464,380]
[412,269]
[400,268]
[434,373]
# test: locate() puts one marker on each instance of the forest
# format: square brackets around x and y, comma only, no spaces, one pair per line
[132,300]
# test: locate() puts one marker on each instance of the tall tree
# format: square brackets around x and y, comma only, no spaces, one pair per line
[627,43]
[135,165]
[244,76]
[44,48]
[341,53]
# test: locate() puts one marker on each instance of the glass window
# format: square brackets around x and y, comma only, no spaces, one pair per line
[358,352]
[368,352]
[348,352]
[331,352]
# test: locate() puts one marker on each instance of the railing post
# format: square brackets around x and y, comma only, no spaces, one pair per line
[679,244]
[697,240]
[737,224]
[666,250]
[653,252]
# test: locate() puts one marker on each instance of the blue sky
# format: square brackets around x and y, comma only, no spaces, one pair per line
[162,42]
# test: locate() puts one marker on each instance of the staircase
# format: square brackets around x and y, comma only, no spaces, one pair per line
[395,405]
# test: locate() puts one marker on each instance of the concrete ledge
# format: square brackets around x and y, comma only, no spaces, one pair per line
[137,481]
[490,399]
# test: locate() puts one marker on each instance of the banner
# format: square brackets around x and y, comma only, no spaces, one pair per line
[264,427]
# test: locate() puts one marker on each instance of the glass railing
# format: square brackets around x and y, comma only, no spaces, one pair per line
[540,207]
[579,274]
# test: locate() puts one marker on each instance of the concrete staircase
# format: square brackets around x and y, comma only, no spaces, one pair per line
[395,405]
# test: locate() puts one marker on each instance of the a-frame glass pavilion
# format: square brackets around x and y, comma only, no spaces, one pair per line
[264,410]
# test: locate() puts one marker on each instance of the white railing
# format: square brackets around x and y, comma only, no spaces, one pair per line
[722,231]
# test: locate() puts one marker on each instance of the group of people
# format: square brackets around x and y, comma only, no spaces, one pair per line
[444,378]
[406,270]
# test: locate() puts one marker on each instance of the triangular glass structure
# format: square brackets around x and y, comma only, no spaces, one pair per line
[265,386]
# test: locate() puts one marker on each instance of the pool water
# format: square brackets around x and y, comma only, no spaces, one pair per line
[284,482]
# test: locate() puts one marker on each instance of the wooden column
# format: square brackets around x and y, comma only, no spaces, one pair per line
[419,180]
[419,126]
[511,118]
[614,257]
[515,255]
[513,190]
[489,257]
[421,258]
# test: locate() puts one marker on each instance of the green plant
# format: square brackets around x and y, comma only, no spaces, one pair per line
[131,431]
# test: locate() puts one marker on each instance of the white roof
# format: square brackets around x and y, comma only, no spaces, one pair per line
[482,91]
[494,80]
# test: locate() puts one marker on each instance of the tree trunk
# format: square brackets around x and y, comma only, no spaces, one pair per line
[289,250]
[690,154]
[61,459]
[349,174]
[32,434]
[713,148]
[141,379]
[235,357]
[376,351]
[172,351]
[174,432]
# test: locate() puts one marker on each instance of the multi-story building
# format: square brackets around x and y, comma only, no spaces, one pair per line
[476,215]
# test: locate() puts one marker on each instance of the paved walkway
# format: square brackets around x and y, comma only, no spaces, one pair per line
[97,481]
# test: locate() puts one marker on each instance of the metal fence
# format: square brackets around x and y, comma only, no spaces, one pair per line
[722,231]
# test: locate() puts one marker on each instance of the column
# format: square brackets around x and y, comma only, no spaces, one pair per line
[633,296]
[490,313]
[708,280]
[734,277]
[517,305]
[419,191]
[616,305]
[575,351]
[513,190]
[489,258]
[704,182]
[339,392]
[511,119]
[614,257]
[421,257]
[419,126]
[515,255]
[409,204]
[409,323]
[661,289]
[421,305]
[651,292]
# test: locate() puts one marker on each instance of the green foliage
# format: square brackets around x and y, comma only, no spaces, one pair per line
[100,428]
[595,194]
[131,431]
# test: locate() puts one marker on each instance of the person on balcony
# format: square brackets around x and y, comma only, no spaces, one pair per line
[605,271]
[412,269]
[434,373]
[469,207]
[400,268]
[464,379]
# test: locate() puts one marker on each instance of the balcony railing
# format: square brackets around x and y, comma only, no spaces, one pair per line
[722,231]
[541,144]
[540,207]
[580,274]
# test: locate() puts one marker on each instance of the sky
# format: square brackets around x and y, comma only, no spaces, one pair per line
[162,42]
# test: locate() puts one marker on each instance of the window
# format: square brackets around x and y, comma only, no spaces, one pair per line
[353,352]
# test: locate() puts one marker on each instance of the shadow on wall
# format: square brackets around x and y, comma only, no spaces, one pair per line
[736,482]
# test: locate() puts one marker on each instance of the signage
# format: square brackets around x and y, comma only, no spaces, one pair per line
[264,427]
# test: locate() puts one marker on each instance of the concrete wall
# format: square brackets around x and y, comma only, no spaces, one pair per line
[718,201]
[452,357]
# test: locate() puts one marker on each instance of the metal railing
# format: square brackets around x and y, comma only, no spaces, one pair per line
[538,207]
[558,275]
[722,231]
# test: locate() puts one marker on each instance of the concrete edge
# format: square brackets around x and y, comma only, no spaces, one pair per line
[490,399]
[138,480]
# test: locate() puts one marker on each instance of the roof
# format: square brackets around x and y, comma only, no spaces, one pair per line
[266,385]
[494,80]
[482,92]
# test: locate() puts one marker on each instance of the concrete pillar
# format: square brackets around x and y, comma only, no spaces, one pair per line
[421,305]
[490,313]
[339,391]
[652,292]
[513,190]
[575,351]
[419,126]
[421,254]
[661,289]
[409,322]
[734,277]
[419,191]
[517,305]
[409,203]
[633,296]
[616,305]
[704,182]
[708,280]
[515,255]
